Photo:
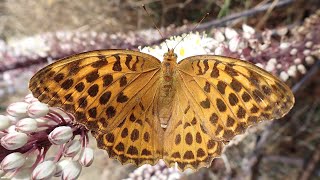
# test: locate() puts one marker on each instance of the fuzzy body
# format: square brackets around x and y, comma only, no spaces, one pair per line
[167,88]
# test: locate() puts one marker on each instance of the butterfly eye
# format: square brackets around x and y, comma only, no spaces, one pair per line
[175,55]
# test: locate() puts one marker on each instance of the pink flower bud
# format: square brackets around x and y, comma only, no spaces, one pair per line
[30,99]
[72,148]
[310,60]
[37,109]
[26,125]
[18,109]
[71,171]
[230,33]
[284,76]
[220,50]
[284,45]
[218,35]
[87,157]
[44,170]
[14,140]
[234,44]
[13,161]
[4,122]
[247,31]
[301,69]
[292,71]
[60,135]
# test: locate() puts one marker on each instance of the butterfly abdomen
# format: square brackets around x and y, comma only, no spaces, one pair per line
[167,91]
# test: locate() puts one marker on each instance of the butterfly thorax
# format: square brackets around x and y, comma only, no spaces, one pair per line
[167,87]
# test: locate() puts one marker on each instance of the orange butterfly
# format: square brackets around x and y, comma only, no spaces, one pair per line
[141,110]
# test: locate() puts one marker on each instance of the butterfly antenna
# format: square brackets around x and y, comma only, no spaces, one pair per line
[193,29]
[144,7]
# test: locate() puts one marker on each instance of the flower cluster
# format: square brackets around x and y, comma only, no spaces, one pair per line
[28,132]
[287,53]
[159,171]
[283,58]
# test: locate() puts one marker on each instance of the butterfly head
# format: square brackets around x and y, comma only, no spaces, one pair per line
[170,55]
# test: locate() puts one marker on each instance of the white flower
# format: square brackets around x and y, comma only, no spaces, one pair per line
[72,148]
[248,31]
[37,109]
[230,33]
[284,45]
[306,52]
[234,44]
[309,44]
[18,109]
[192,44]
[273,61]
[270,67]
[218,35]
[301,69]
[293,51]
[284,76]
[26,125]
[13,161]
[297,61]
[292,71]
[309,60]
[60,135]
[14,140]
[87,157]
[4,122]
[44,170]
[26,46]
[279,66]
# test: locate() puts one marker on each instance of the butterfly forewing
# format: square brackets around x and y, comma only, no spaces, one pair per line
[111,93]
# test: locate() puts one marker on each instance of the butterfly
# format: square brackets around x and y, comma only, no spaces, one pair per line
[141,110]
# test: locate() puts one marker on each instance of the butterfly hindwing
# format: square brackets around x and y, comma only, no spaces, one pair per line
[137,138]
[187,141]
